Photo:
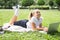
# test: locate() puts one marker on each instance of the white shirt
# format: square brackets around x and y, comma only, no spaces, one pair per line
[35,20]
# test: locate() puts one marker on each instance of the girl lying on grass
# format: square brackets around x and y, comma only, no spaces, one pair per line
[34,23]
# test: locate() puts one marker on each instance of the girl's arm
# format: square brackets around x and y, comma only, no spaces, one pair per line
[16,13]
[40,25]
[44,28]
[34,27]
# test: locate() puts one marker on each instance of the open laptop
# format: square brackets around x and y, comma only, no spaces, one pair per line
[53,28]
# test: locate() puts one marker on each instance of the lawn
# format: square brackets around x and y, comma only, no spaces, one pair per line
[49,17]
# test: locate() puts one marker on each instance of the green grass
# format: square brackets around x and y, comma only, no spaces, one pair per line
[49,17]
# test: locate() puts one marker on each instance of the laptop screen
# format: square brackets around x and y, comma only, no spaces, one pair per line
[53,27]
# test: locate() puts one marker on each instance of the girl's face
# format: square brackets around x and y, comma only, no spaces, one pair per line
[37,14]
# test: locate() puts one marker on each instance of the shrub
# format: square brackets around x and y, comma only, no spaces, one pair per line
[8,3]
[51,3]
[58,2]
[27,2]
[39,7]
[40,2]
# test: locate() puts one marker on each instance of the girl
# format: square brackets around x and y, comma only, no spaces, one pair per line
[35,22]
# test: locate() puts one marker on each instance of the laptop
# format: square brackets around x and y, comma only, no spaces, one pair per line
[53,28]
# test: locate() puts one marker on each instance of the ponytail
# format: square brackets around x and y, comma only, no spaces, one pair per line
[30,16]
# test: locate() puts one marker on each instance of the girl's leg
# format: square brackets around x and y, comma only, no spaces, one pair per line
[7,25]
[14,18]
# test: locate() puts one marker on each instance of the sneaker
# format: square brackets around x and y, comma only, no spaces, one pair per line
[1,31]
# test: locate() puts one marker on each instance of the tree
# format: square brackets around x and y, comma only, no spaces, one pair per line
[8,3]
[40,2]
[27,2]
[51,3]
[58,3]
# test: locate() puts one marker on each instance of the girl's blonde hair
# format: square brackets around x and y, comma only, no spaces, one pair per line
[32,12]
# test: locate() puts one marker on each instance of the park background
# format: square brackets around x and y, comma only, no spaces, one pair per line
[50,10]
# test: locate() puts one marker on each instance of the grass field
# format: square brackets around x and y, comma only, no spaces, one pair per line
[49,17]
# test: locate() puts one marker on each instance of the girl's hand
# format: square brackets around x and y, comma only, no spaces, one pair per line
[45,29]
[40,28]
